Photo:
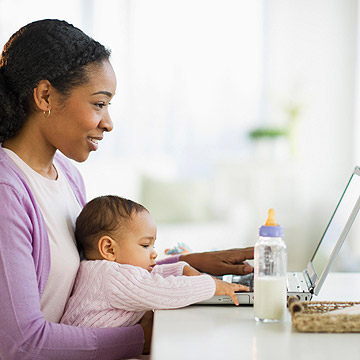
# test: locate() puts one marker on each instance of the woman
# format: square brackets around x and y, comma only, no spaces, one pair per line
[55,87]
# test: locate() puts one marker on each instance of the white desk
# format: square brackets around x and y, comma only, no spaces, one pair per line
[229,332]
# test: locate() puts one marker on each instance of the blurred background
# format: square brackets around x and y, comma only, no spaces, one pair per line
[224,109]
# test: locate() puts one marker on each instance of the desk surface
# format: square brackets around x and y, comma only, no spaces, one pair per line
[229,332]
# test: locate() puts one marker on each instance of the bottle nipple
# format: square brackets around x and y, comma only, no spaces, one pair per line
[271,219]
[271,227]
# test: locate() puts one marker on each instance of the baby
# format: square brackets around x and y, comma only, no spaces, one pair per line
[120,279]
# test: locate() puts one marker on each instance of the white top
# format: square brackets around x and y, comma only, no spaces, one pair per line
[60,209]
[108,294]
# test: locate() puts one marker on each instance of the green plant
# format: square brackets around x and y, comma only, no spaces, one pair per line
[268,132]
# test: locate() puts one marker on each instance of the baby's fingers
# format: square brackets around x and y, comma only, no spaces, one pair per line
[234,298]
[239,287]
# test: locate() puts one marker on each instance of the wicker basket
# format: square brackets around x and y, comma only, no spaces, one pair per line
[308,316]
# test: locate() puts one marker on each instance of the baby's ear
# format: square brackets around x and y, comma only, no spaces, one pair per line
[106,246]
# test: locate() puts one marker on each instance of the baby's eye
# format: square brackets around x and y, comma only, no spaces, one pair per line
[145,246]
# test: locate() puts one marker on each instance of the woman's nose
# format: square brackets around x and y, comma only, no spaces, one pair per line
[106,123]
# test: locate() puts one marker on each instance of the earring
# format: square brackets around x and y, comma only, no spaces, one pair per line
[47,113]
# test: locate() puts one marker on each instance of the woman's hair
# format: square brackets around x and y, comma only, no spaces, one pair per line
[101,216]
[50,50]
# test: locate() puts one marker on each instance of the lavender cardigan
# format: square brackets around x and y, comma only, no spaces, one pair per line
[24,269]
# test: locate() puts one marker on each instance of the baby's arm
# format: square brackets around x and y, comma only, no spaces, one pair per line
[190,271]
[222,287]
[165,270]
[176,269]
[132,288]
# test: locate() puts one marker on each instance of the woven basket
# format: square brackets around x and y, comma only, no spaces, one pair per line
[309,316]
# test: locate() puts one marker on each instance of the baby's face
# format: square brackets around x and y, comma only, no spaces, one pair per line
[136,246]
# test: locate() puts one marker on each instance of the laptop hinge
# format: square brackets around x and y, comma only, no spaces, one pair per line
[308,281]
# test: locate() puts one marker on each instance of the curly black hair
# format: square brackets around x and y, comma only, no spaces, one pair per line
[52,50]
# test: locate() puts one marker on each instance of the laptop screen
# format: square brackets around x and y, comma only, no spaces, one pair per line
[337,224]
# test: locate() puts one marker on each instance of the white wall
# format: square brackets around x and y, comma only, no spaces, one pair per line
[312,54]
[309,58]
[174,125]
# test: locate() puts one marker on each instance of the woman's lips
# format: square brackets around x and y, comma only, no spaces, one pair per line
[94,142]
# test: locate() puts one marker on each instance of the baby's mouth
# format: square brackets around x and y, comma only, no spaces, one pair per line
[151,267]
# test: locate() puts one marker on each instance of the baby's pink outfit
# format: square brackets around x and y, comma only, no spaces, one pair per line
[108,294]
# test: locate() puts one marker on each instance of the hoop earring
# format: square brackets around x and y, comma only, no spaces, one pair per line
[47,113]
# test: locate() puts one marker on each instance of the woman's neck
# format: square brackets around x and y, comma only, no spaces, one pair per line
[34,152]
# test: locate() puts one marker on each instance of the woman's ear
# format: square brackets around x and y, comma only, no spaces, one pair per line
[42,96]
[106,246]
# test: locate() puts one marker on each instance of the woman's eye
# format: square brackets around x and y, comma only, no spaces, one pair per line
[100,105]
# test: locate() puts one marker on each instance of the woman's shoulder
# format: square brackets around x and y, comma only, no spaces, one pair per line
[10,175]
[16,196]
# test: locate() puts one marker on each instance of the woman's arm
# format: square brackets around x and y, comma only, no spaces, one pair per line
[24,333]
[232,261]
[169,260]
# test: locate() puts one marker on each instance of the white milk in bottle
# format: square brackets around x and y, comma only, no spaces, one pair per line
[270,264]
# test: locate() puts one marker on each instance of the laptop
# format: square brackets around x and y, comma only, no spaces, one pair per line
[307,283]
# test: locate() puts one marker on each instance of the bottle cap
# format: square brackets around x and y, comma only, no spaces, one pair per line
[271,228]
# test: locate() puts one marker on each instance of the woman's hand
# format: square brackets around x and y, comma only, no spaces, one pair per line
[222,262]
[224,288]
[147,323]
[190,271]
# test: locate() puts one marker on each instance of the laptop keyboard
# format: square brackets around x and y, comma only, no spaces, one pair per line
[247,280]
[295,282]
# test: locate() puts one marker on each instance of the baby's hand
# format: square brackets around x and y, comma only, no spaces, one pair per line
[225,288]
[190,271]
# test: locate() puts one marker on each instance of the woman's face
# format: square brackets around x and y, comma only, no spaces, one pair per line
[78,123]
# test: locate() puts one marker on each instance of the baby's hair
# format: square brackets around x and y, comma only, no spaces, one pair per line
[103,216]
[52,50]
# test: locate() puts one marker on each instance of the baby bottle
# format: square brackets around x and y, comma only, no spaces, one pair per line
[270,262]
